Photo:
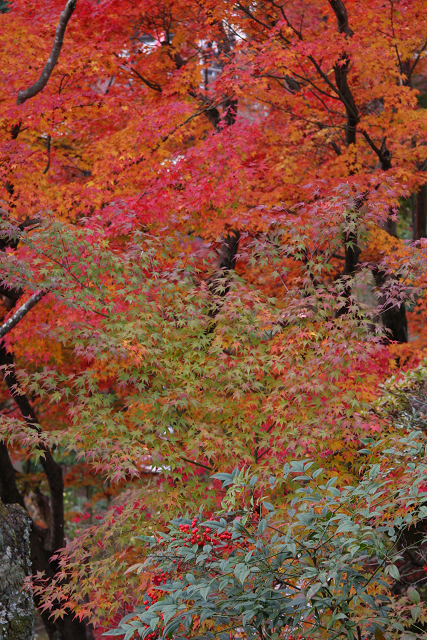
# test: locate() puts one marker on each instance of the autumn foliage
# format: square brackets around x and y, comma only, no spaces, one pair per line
[213,222]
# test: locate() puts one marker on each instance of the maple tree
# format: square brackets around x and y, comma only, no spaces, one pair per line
[173,306]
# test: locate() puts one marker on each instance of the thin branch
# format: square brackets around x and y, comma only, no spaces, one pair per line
[296,31]
[178,126]
[198,464]
[38,86]
[252,17]
[417,59]
[305,78]
[68,270]
[148,83]
[21,312]
[320,125]
[383,153]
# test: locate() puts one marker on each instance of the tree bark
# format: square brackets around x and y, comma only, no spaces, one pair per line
[16,603]
[40,84]
[419,230]
[219,284]
[52,469]
[21,312]
[43,543]
[393,317]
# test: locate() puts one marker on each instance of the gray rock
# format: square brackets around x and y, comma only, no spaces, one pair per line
[16,604]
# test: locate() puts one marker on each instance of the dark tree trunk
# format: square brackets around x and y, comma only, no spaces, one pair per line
[393,316]
[219,283]
[66,628]
[419,230]
[43,542]
[351,258]
[419,213]
[228,251]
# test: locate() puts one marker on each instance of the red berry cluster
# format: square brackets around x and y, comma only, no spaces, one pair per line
[159,579]
[300,637]
[154,594]
[205,537]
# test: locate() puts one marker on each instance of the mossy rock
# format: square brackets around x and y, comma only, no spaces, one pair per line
[16,604]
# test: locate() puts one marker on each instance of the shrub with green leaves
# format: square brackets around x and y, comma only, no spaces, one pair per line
[326,565]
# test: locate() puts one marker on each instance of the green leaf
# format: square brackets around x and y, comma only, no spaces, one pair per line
[204,592]
[416,612]
[224,582]
[173,626]
[392,571]
[241,572]
[313,590]
[206,613]
[262,526]
[168,613]
[268,506]
[248,616]
[413,595]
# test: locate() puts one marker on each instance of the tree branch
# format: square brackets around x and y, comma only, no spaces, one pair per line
[21,312]
[198,464]
[38,86]
[148,83]
[341,15]
[382,152]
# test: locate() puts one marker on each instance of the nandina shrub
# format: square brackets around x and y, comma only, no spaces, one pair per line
[324,566]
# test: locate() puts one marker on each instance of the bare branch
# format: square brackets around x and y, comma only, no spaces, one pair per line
[21,312]
[382,152]
[151,85]
[198,464]
[38,86]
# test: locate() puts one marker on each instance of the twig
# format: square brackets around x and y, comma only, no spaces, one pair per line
[22,311]
[40,84]
[198,464]
[151,85]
